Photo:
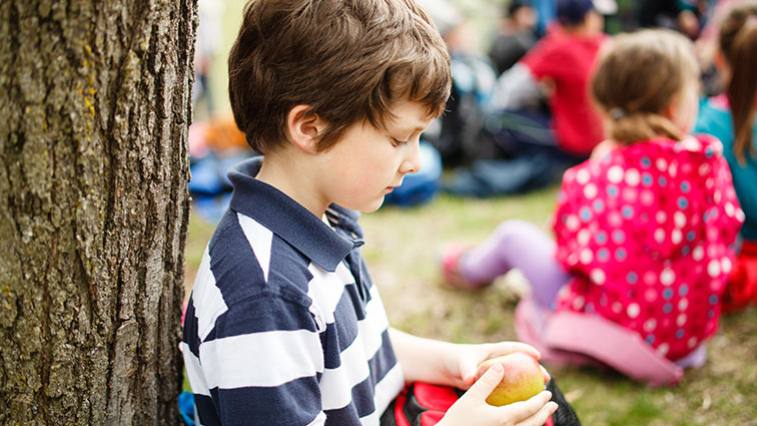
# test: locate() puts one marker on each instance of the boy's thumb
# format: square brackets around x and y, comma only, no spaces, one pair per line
[486,384]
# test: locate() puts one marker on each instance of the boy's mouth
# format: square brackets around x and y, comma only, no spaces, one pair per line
[391,188]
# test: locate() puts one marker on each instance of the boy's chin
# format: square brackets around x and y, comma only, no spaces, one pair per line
[369,207]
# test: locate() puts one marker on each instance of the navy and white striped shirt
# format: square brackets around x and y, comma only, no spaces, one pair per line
[284,326]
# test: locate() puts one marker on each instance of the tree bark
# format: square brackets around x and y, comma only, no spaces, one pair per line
[94,110]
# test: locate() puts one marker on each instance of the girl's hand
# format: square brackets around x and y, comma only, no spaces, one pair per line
[463,361]
[472,410]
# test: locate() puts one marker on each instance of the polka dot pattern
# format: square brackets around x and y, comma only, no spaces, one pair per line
[646,232]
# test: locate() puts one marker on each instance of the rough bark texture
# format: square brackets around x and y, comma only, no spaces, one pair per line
[94,109]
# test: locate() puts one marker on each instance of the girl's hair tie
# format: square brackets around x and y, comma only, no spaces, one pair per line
[617,113]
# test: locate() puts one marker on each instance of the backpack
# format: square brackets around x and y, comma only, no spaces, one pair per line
[424,404]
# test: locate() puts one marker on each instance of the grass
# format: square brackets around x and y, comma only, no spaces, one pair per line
[403,249]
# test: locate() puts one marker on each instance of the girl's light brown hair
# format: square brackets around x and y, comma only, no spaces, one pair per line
[637,77]
[738,43]
[349,60]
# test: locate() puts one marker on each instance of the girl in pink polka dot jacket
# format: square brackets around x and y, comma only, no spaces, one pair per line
[644,229]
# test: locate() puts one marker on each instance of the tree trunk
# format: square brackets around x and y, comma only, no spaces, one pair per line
[94,109]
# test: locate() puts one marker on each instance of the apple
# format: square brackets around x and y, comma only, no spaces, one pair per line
[523,378]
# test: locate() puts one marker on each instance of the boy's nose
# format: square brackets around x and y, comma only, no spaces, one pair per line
[412,163]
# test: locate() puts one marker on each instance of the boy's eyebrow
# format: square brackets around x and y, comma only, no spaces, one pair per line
[418,128]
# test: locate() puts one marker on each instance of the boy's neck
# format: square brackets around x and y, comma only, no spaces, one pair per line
[296,185]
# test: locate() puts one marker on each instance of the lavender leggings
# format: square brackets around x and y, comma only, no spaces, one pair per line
[522,245]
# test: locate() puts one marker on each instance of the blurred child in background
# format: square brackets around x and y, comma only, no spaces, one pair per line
[207,45]
[515,37]
[731,118]
[685,16]
[539,145]
[563,63]
[455,134]
[643,229]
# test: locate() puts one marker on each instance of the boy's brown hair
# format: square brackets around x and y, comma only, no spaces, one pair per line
[349,60]
[738,43]
[637,77]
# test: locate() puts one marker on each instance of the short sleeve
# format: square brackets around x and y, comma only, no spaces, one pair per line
[263,361]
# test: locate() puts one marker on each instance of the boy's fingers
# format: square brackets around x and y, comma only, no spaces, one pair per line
[505,348]
[524,409]
[480,372]
[469,373]
[468,381]
[547,377]
[541,416]
[482,369]
[486,384]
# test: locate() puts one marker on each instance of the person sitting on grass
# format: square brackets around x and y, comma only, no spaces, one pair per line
[516,35]
[284,325]
[644,229]
[537,145]
[731,118]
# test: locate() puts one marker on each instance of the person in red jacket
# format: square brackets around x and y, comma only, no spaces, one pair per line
[540,144]
[562,62]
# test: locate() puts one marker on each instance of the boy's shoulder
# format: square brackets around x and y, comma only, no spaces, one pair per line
[246,262]
[266,244]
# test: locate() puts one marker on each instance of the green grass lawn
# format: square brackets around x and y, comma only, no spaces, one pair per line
[402,250]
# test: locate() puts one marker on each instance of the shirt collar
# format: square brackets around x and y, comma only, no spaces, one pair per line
[290,220]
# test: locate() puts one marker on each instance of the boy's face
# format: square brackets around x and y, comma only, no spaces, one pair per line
[367,162]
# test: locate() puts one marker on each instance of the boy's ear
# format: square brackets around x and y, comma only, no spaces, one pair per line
[305,128]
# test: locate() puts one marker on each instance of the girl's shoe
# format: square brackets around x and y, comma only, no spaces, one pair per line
[451,270]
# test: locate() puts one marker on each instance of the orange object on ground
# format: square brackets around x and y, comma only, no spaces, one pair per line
[223,134]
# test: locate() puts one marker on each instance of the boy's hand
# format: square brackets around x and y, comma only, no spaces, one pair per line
[464,361]
[472,410]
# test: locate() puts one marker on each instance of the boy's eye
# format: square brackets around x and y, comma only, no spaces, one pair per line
[397,142]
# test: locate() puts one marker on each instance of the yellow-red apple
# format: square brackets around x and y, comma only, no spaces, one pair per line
[523,378]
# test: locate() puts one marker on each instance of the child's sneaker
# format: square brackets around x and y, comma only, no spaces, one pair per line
[451,270]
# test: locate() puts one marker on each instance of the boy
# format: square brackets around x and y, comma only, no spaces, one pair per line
[284,325]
